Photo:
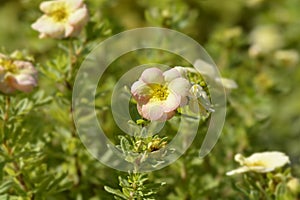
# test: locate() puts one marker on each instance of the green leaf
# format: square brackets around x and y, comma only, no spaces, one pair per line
[5,186]
[2,165]
[115,192]
[4,197]
[280,191]
[54,184]
[10,171]
[125,145]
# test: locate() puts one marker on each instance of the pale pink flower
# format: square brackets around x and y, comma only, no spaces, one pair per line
[61,19]
[159,94]
[16,75]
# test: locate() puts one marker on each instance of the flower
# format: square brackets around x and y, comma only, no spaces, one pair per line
[293,184]
[16,75]
[62,18]
[264,39]
[159,94]
[260,162]
[208,71]
[228,84]
[199,99]
[287,57]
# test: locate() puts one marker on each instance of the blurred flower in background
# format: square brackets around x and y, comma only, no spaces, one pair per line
[260,162]
[16,75]
[62,18]
[287,57]
[264,39]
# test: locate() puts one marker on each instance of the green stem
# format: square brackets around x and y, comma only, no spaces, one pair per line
[71,61]
[5,120]
[70,88]
[7,106]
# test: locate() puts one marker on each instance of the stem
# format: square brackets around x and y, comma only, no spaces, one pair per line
[7,105]
[69,86]
[5,120]
[70,72]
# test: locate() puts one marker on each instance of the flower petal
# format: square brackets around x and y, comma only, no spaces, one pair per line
[179,86]
[205,68]
[51,6]
[227,83]
[171,103]
[171,74]
[25,67]
[184,70]
[260,162]
[152,111]
[79,17]
[24,83]
[152,75]
[141,92]
[268,159]
[238,171]
[74,4]
[68,30]
[47,26]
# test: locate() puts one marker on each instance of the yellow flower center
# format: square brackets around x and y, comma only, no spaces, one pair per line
[160,92]
[9,66]
[60,13]
[256,164]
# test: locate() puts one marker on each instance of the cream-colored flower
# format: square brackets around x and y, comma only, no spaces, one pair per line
[264,39]
[62,18]
[287,57]
[16,75]
[207,70]
[294,185]
[260,162]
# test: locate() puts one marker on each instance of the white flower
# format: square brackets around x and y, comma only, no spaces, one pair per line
[62,18]
[260,162]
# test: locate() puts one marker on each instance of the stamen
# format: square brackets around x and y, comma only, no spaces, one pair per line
[60,14]
[160,92]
